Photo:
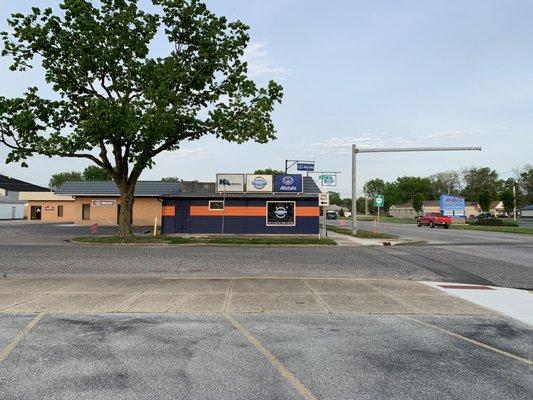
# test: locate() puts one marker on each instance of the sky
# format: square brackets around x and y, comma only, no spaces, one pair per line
[376,74]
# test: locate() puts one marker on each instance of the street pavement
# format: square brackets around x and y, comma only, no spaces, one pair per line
[243,322]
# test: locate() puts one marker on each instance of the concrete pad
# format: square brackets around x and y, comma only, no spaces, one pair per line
[10,326]
[191,286]
[30,284]
[269,286]
[440,304]
[106,285]
[73,303]
[274,302]
[340,286]
[10,299]
[402,287]
[158,303]
[200,303]
[364,304]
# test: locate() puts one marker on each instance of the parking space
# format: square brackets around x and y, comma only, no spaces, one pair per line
[264,356]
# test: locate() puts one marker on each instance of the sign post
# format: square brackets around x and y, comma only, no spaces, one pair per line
[323,202]
[379,201]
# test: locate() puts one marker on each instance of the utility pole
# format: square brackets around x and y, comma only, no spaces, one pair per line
[355,150]
[514,199]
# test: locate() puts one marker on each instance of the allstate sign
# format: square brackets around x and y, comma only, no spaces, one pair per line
[291,183]
[451,203]
[259,183]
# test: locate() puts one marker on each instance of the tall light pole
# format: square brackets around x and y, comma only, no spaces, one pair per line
[355,150]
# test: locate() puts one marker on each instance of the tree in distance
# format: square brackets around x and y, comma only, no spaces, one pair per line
[91,173]
[117,105]
[268,171]
[171,179]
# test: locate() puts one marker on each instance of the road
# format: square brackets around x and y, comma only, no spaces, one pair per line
[41,249]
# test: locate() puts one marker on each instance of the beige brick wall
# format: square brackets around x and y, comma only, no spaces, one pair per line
[49,210]
[145,210]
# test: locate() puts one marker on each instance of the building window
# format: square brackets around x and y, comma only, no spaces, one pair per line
[86,212]
[59,211]
[281,213]
[216,205]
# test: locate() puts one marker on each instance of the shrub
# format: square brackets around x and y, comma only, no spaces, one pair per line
[495,222]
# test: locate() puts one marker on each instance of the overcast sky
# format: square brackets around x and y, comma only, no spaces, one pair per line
[379,73]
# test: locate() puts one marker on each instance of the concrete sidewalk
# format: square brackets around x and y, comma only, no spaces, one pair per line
[81,294]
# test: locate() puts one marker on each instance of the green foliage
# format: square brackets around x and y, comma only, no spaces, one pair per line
[480,182]
[268,171]
[494,222]
[94,173]
[417,202]
[170,179]
[525,183]
[58,179]
[447,182]
[507,198]
[335,198]
[484,200]
[118,106]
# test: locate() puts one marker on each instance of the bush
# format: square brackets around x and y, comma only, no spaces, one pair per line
[494,222]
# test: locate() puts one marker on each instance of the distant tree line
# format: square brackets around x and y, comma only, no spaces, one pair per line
[91,173]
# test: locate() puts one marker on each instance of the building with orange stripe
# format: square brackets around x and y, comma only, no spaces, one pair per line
[197,208]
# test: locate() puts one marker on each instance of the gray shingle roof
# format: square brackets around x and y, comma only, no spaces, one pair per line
[9,200]
[15,185]
[208,189]
[109,188]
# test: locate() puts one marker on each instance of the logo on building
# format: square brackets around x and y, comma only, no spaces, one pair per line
[259,183]
[288,180]
[281,212]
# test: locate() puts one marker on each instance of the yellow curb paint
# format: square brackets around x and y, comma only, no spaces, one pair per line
[282,370]
[472,341]
[6,351]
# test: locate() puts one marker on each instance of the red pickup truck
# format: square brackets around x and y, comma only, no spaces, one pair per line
[434,219]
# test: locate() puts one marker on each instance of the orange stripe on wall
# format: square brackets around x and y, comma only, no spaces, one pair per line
[252,211]
[168,211]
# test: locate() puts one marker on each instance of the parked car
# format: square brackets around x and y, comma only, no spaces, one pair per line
[485,215]
[331,215]
[433,220]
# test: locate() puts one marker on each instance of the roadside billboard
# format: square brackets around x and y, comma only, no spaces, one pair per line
[453,206]
[290,183]
[259,183]
[328,179]
[230,183]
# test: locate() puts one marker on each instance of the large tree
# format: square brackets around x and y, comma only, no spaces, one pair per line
[117,104]
[480,182]
[447,182]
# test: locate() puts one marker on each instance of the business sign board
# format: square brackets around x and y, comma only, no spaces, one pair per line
[328,179]
[230,183]
[305,166]
[104,203]
[280,213]
[291,183]
[259,183]
[452,203]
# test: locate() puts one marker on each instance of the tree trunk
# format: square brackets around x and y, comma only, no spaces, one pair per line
[126,211]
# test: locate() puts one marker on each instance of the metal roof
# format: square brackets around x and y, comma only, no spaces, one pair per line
[109,188]
[528,207]
[15,185]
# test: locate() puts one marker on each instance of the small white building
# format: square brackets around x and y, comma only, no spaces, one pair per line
[11,208]
[527,211]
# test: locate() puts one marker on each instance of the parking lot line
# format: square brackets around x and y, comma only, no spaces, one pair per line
[280,367]
[472,341]
[6,351]
[317,297]
[228,295]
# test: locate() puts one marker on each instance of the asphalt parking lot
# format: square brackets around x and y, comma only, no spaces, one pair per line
[264,356]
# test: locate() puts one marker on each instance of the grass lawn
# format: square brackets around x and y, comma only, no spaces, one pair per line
[274,240]
[387,219]
[361,233]
[505,229]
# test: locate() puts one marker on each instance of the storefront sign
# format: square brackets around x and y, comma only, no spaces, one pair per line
[291,183]
[305,166]
[104,203]
[259,183]
[280,213]
[49,208]
[448,202]
[230,183]
[328,179]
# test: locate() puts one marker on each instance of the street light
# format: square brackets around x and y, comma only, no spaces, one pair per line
[355,150]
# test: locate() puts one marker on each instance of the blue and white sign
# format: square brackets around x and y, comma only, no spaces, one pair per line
[448,202]
[453,206]
[291,183]
[305,166]
[259,183]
